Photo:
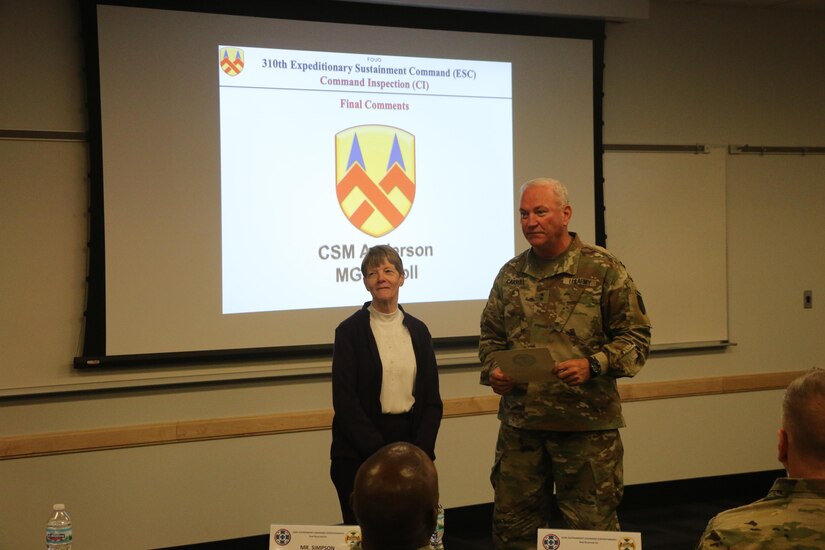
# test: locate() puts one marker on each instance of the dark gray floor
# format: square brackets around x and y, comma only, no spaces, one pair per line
[670,515]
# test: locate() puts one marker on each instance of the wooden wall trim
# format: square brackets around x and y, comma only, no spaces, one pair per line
[26,446]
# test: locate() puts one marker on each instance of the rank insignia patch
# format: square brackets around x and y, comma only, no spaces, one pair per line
[375,176]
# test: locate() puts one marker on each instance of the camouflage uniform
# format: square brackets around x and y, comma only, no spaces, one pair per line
[792,516]
[581,304]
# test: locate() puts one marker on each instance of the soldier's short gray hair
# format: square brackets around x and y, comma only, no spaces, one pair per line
[803,413]
[554,185]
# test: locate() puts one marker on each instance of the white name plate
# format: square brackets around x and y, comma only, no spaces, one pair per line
[565,539]
[313,537]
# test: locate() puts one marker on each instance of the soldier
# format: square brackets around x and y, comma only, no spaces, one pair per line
[396,499]
[577,300]
[792,516]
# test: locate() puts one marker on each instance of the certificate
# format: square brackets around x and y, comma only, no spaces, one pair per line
[565,539]
[526,364]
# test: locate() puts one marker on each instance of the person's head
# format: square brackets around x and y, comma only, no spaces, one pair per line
[545,212]
[395,498]
[802,436]
[383,274]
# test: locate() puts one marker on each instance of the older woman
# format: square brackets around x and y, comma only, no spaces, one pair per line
[384,377]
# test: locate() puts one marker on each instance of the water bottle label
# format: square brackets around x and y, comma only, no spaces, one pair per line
[58,535]
[436,539]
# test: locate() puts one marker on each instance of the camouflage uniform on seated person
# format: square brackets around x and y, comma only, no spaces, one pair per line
[792,515]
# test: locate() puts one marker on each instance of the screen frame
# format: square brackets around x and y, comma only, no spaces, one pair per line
[94,355]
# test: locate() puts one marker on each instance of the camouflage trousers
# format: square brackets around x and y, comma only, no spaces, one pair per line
[585,467]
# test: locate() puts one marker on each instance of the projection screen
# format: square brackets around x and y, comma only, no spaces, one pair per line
[242,165]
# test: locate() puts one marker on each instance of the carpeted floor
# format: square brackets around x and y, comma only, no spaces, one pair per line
[670,515]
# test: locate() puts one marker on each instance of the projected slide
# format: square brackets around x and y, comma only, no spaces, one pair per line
[325,154]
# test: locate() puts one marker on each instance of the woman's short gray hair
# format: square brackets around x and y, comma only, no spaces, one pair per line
[377,254]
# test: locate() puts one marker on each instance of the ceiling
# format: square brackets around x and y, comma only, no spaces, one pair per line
[611,10]
[803,5]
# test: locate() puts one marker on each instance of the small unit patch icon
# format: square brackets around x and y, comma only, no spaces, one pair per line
[231,61]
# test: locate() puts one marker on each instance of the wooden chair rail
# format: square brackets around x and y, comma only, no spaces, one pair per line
[25,446]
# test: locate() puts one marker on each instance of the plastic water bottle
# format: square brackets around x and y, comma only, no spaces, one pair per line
[59,529]
[437,538]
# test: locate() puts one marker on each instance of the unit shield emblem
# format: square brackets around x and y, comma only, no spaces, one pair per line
[231,61]
[375,176]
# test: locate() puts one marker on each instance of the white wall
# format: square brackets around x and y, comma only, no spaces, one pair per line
[688,74]
[716,76]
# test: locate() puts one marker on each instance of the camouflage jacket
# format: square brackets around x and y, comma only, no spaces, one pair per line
[581,304]
[792,516]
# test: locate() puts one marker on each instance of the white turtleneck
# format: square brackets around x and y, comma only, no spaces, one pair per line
[397,358]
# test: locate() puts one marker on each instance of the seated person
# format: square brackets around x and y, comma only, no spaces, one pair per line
[792,515]
[395,498]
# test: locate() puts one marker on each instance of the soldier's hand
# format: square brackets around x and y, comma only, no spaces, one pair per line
[500,382]
[573,372]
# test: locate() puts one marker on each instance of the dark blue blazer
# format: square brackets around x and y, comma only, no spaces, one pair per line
[356,388]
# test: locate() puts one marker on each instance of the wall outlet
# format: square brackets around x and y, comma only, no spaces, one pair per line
[807,299]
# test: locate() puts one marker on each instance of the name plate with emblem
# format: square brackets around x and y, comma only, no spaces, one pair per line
[564,539]
[313,537]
